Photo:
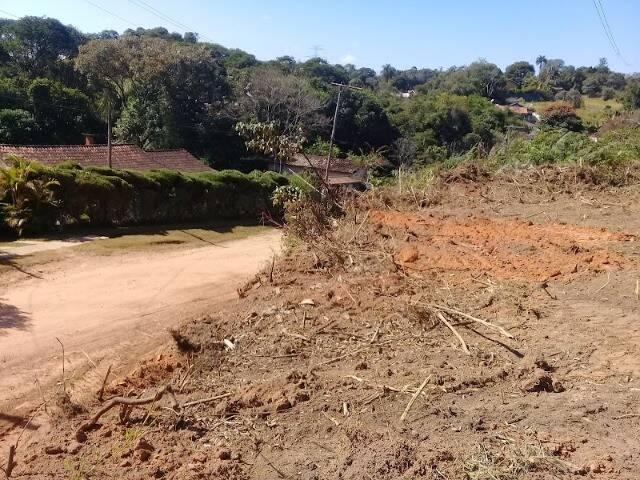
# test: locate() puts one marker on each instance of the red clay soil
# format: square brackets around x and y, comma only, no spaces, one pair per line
[507,249]
[334,364]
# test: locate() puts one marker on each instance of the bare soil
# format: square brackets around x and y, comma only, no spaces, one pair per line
[336,363]
[108,309]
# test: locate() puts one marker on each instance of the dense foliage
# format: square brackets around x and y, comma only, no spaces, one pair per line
[37,198]
[170,90]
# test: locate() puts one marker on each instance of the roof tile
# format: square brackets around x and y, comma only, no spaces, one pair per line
[123,156]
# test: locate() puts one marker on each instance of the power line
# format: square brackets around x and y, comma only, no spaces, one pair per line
[158,13]
[607,32]
[163,16]
[9,13]
[606,21]
[115,15]
[602,15]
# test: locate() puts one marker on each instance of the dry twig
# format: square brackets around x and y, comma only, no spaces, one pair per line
[455,332]
[104,383]
[413,398]
[470,317]
[64,388]
[130,402]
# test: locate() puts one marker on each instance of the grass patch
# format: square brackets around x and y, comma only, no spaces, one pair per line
[174,236]
[594,110]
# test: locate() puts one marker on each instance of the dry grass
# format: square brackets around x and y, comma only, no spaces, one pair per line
[504,459]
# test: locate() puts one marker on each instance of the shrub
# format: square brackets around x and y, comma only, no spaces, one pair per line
[101,196]
[562,115]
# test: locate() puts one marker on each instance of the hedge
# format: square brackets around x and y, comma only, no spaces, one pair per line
[97,196]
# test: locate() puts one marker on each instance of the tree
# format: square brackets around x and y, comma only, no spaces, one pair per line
[517,72]
[631,95]
[541,60]
[17,126]
[486,78]
[287,101]
[388,72]
[166,89]
[62,113]
[38,46]
[362,122]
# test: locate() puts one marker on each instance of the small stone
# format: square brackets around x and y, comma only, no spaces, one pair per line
[224,454]
[283,405]
[142,444]
[302,396]
[199,458]
[74,447]
[538,381]
[53,450]
[143,455]
[596,468]
[308,301]
[408,254]
[125,463]
[81,437]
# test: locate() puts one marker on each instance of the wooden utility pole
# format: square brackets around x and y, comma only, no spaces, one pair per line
[109,136]
[333,130]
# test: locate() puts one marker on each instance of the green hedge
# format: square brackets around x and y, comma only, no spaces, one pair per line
[99,196]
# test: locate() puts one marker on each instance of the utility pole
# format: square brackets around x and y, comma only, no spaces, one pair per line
[109,135]
[333,130]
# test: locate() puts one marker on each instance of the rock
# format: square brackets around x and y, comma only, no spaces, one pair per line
[283,405]
[224,454]
[199,458]
[302,396]
[53,450]
[143,444]
[408,254]
[81,437]
[125,463]
[142,455]
[74,447]
[308,301]
[541,381]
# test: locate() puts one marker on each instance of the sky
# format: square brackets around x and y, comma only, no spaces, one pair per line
[404,33]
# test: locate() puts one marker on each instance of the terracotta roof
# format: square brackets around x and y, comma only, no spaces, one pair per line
[123,156]
[320,162]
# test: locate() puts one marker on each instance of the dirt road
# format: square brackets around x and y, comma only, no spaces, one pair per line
[111,309]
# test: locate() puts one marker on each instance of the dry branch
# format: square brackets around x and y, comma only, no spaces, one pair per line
[64,388]
[455,332]
[104,383]
[130,402]
[10,462]
[413,398]
[470,317]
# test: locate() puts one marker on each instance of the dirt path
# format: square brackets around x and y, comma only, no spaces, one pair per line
[111,309]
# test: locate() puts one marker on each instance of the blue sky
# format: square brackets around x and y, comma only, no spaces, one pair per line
[404,33]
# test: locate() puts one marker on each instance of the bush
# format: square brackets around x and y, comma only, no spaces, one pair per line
[562,115]
[614,148]
[101,196]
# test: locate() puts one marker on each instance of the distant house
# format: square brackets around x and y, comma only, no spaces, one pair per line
[515,107]
[341,171]
[407,94]
[123,156]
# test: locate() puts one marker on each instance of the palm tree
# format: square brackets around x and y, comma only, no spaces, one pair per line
[388,72]
[541,60]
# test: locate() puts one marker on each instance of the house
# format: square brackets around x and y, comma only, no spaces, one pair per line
[515,107]
[123,156]
[341,171]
